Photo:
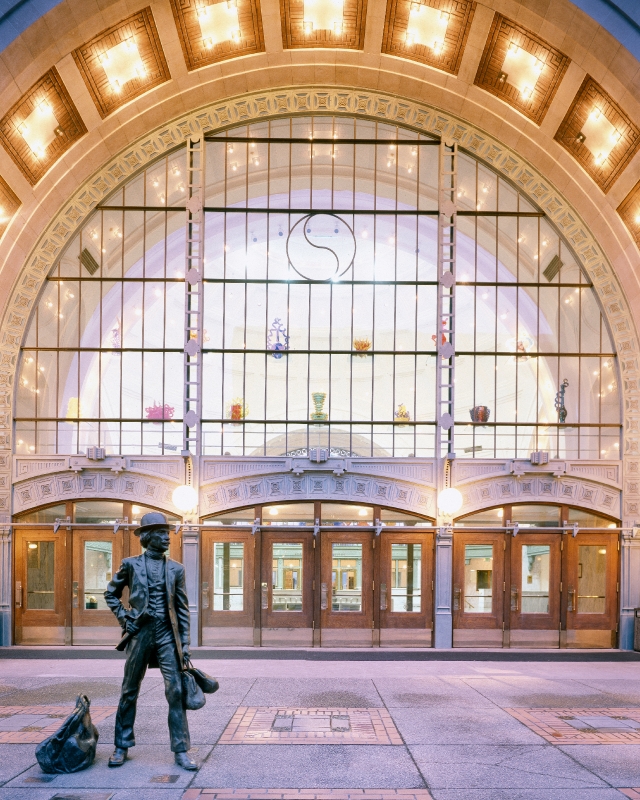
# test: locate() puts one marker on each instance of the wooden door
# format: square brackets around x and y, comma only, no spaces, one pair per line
[97,554]
[534,596]
[478,588]
[286,588]
[591,599]
[227,588]
[405,592]
[346,589]
[40,591]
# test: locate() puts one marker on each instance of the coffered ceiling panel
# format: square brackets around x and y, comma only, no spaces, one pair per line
[215,31]
[598,134]
[122,62]
[629,210]
[41,126]
[431,31]
[520,68]
[9,204]
[323,23]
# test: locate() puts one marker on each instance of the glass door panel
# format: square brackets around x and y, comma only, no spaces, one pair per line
[591,601]
[286,588]
[41,608]
[478,588]
[535,590]
[346,589]
[96,554]
[406,564]
[227,588]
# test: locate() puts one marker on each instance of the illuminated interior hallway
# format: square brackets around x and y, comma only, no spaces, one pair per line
[349,291]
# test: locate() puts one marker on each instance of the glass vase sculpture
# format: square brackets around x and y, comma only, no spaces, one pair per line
[318,403]
[402,415]
[480,413]
[237,410]
[361,346]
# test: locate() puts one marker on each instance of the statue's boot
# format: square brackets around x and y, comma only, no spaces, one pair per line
[183,760]
[118,757]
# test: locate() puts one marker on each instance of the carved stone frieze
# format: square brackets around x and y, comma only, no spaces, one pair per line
[539,488]
[279,488]
[346,101]
[606,472]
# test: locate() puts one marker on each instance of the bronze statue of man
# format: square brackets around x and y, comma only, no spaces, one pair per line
[156,629]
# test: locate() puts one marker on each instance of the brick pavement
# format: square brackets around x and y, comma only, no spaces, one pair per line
[567,726]
[36,727]
[307,794]
[284,725]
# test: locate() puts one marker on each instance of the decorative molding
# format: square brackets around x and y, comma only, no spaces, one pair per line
[540,489]
[196,52]
[167,467]
[607,473]
[629,210]
[503,34]
[351,35]
[283,487]
[341,102]
[9,204]
[92,484]
[49,90]
[394,40]
[139,28]
[591,96]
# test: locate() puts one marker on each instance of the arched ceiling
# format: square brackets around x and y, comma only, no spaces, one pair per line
[54,80]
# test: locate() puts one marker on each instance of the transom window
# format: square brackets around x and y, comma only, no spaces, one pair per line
[320,325]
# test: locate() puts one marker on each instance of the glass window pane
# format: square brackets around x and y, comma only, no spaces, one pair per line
[346,576]
[40,576]
[288,514]
[391,518]
[242,516]
[406,569]
[98,563]
[592,579]
[346,514]
[286,580]
[50,514]
[492,517]
[228,576]
[536,516]
[98,511]
[535,578]
[586,519]
[478,578]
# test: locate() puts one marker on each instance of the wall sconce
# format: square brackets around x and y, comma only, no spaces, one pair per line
[327,15]
[599,136]
[427,26]
[40,128]
[219,23]
[522,69]
[122,63]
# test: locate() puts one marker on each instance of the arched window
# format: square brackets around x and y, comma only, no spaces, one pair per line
[320,323]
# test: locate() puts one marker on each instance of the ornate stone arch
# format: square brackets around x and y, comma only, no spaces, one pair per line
[336,101]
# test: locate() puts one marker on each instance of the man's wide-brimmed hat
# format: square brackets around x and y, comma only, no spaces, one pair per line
[154,519]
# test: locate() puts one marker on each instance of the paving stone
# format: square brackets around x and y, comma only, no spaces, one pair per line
[145,762]
[313,693]
[526,794]
[428,692]
[619,765]
[460,725]
[15,759]
[500,767]
[316,766]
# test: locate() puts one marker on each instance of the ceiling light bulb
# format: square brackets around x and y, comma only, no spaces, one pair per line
[39,129]
[599,136]
[427,26]
[521,69]
[219,23]
[323,15]
[122,64]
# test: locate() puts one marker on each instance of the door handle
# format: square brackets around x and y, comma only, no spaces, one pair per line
[323,596]
[571,599]
[514,598]
[205,594]
[18,594]
[457,595]
[383,597]
[74,594]
[264,596]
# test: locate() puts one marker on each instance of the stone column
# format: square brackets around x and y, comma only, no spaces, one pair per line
[629,585]
[6,608]
[443,633]
[191,561]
